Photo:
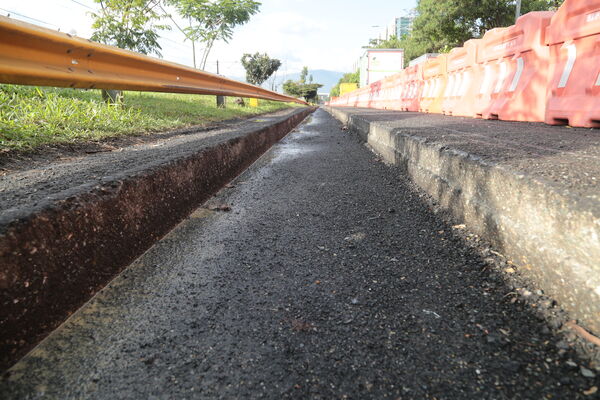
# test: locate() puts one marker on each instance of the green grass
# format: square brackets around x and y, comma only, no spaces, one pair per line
[33,116]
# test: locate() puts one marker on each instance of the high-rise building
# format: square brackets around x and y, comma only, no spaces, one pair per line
[398,27]
[403,26]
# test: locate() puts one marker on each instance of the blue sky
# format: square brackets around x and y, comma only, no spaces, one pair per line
[322,34]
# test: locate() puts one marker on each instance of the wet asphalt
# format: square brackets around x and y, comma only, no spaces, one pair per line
[329,278]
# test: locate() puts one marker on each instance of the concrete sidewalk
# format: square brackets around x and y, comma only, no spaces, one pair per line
[532,190]
[330,278]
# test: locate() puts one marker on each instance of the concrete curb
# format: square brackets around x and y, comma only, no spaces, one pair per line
[56,259]
[552,236]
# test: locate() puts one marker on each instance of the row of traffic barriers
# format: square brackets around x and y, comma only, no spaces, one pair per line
[542,69]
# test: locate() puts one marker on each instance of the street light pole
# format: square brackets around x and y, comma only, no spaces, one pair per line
[518,10]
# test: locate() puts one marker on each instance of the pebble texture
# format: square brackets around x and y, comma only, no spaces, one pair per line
[329,278]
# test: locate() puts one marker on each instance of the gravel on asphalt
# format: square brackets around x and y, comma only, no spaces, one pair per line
[319,273]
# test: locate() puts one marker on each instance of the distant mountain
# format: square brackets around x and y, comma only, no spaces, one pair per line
[325,77]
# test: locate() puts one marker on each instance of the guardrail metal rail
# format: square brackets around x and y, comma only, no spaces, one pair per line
[32,55]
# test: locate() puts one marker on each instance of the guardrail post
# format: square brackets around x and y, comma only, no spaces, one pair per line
[220,99]
[112,96]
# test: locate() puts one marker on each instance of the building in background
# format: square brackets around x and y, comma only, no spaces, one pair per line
[376,64]
[322,98]
[399,27]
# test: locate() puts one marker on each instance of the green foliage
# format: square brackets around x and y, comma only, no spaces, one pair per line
[300,88]
[259,67]
[215,19]
[32,116]
[303,74]
[351,77]
[441,25]
[540,5]
[129,24]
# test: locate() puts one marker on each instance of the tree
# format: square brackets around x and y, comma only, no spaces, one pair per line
[215,20]
[351,77]
[302,89]
[259,67]
[441,25]
[128,24]
[303,74]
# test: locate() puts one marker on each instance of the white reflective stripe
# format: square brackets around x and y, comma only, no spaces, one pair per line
[598,80]
[487,78]
[434,88]
[517,77]
[465,83]
[457,85]
[449,86]
[501,78]
[571,57]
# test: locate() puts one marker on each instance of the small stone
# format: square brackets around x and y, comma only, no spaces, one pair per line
[491,338]
[587,373]
[354,301]
[220,207]
[591,391]
[545,330]
[571,364]
[512,366]
[562,345]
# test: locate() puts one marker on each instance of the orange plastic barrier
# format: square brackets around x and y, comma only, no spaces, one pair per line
[374,94]
[493,71]
[388,94]
[399,81]
[574,87]
[361,98]
[463,80]
[411,88]
[515,64]
[435,77]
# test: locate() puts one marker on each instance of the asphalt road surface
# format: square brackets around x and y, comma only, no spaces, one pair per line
[329,278]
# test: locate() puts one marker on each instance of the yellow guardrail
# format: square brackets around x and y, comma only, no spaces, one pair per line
[32,55]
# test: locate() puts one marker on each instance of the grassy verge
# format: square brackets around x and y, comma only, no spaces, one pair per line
[33,116]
